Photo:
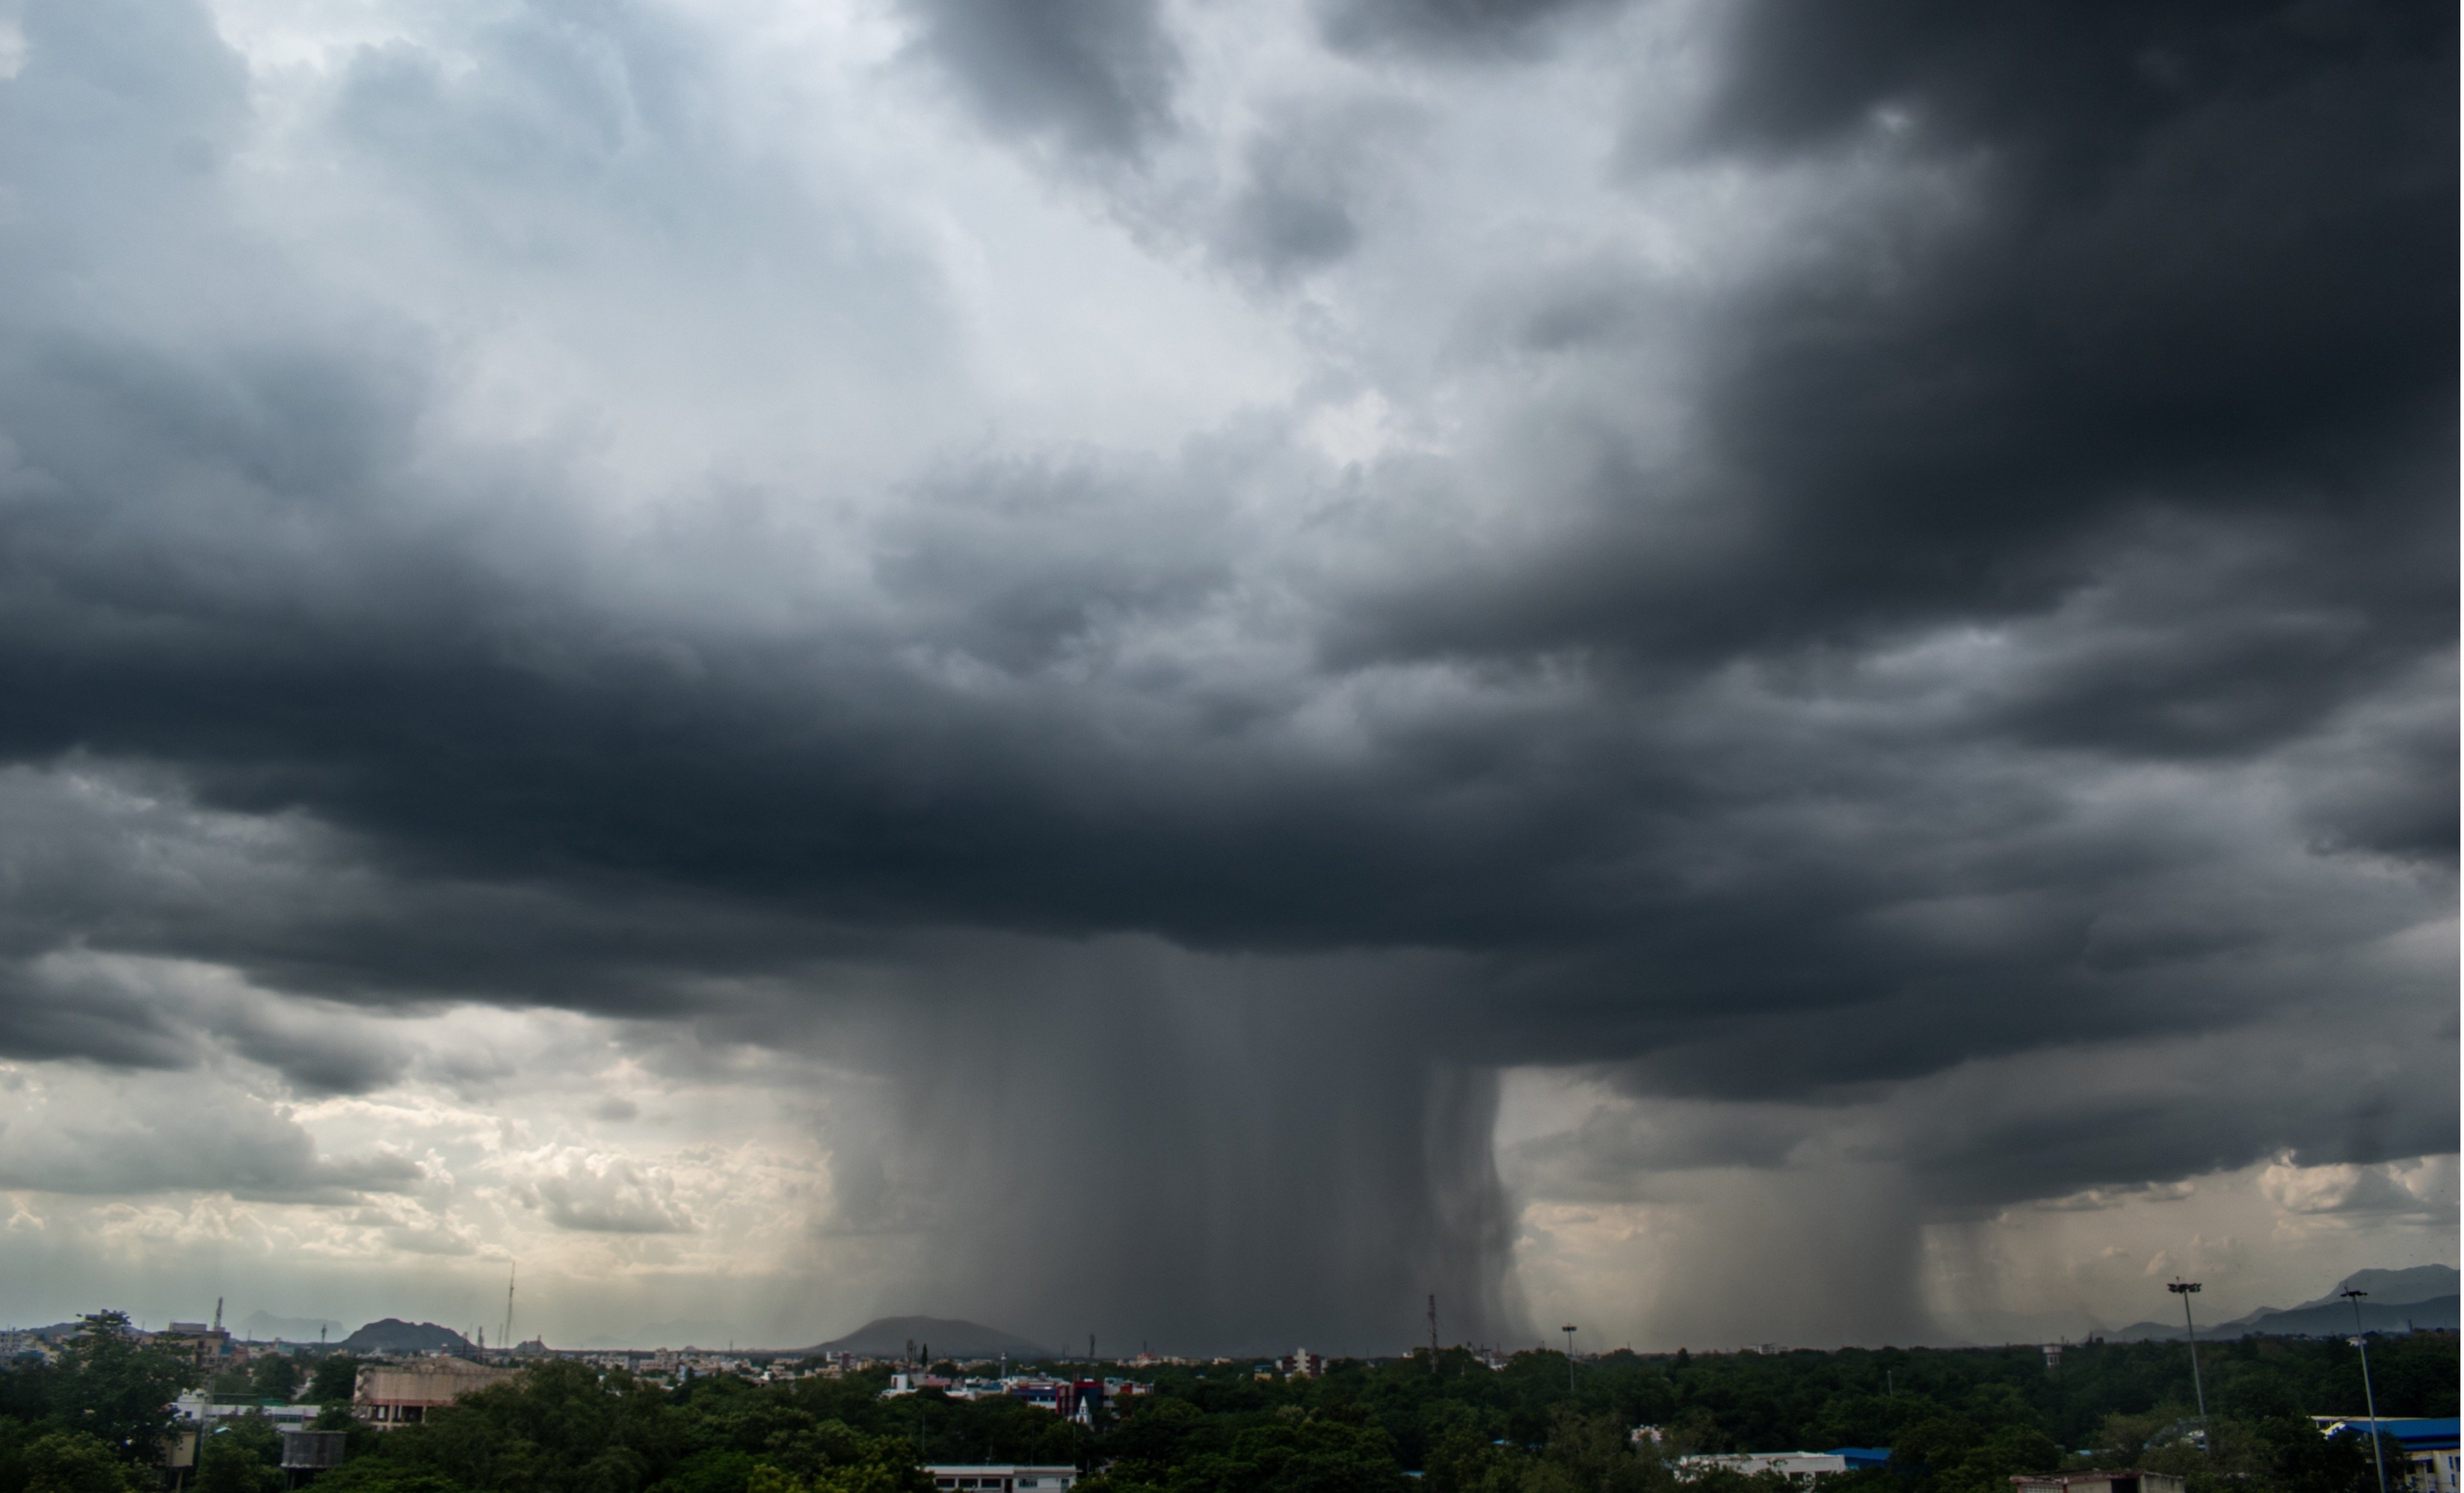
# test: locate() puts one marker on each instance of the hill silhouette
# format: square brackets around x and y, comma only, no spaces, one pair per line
[2399,1301]
[887,1337]
[393,1335]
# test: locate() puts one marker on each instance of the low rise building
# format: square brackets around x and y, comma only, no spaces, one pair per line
[1797,1467]
[2132,1481]
[311,1452]
[195,1408]
[2430,1451]
[205,1345]
[1002,1478]
[25,1343]
[398,1394]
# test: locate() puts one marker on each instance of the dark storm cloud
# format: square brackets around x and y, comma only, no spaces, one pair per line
[1098,75]
[1022,563]
[2038,636]
[1290,219]
[1475,29]
[1309,185]
[2218,294]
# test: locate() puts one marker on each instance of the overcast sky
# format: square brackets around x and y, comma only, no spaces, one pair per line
[1728,672]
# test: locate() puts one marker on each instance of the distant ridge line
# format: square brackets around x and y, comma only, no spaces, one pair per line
[949,1337]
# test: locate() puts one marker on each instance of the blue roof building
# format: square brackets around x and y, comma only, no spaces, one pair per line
[2429,1443]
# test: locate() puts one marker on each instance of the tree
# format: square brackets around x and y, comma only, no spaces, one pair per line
[230,1463]
[69,1462]
[335,1380]
[382,1475]
[110,1386]
[1595,1453]
[275,1377]
[871,1476]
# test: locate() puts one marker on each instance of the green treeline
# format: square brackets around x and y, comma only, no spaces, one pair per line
[1960,1422]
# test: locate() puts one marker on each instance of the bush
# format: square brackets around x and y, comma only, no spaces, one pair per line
[70,1462]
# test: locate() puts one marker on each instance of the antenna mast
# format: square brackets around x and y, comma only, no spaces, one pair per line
[505,1339]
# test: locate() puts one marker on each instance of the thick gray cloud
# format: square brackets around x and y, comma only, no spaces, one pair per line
[2011,621]
[610,1199]
[1459,29]
[1097,75]
[162,1138]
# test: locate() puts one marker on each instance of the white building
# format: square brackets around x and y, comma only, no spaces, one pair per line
[196,1408]
[1800,1467]
[1002,1478]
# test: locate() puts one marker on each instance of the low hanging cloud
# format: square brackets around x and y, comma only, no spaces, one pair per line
[2425,1189]
[608,1195]
[155,1137]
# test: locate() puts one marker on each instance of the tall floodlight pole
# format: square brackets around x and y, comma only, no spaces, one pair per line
[1569,1330]
[2185,1289]
[2369,1396]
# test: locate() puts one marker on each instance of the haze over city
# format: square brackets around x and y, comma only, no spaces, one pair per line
[1733,673]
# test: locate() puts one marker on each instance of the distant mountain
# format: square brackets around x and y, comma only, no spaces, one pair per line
[674,1332]
[887,1337]
[2328,1320]
[2424,1296]
[393,1335]
[265,1326]
[2394,1287]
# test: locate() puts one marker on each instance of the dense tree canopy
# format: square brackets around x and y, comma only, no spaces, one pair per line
[1957,1421]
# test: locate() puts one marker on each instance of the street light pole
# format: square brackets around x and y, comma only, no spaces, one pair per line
[2185,1289]
[1569,1330]
[2369,1396]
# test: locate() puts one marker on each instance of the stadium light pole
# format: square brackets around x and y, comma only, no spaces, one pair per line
[2369,1396]
[1569,1330]
[2185,1289]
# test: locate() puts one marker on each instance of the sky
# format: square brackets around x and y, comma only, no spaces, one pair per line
[1731,672]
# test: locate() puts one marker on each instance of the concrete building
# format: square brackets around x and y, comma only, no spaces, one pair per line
[1071,1399]
[2429,1450]
[25,1343]
[2130,1481]
[196,1408]
[1797,1467]
[311,1451]
[399,1394]
[207,1346]
[1002,1478]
